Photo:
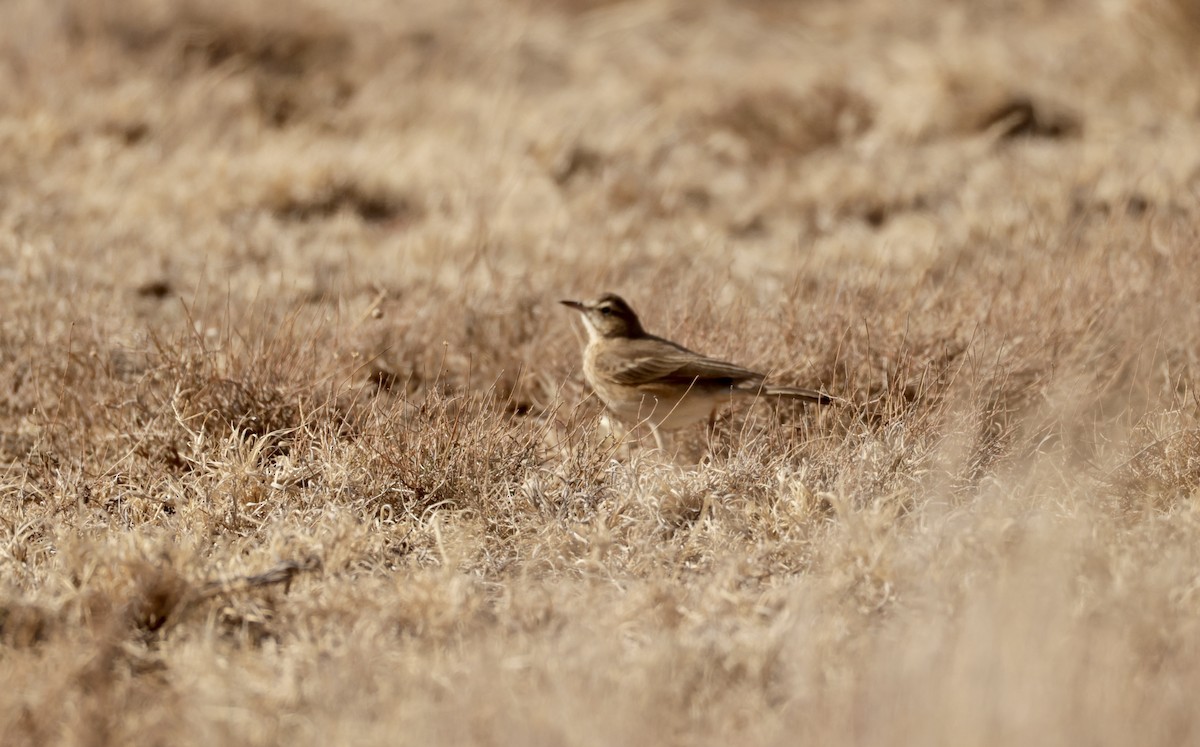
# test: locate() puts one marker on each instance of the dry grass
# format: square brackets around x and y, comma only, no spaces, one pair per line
[294,447]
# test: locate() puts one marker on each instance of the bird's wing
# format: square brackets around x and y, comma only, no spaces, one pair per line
[654,361]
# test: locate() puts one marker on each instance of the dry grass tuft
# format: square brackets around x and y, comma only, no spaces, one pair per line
[776,123]
[274,39]
[295,57]
[330,199]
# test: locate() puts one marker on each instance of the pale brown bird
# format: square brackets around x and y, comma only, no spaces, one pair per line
[643,378]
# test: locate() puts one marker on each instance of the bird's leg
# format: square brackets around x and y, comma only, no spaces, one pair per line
[658,439]
[711,429]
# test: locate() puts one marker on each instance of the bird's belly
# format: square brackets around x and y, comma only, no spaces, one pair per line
[667,413]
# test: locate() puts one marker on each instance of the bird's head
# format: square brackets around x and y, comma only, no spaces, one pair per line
[608,316]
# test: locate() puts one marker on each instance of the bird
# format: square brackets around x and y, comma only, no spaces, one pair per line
[643,378]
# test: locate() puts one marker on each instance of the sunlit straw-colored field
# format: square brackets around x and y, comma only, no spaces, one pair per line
[295,448]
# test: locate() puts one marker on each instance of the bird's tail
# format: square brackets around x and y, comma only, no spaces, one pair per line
[792,392]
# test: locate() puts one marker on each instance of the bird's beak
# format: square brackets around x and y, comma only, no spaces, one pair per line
[578,306]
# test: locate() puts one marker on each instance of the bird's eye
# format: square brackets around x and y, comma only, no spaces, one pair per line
[606,310]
